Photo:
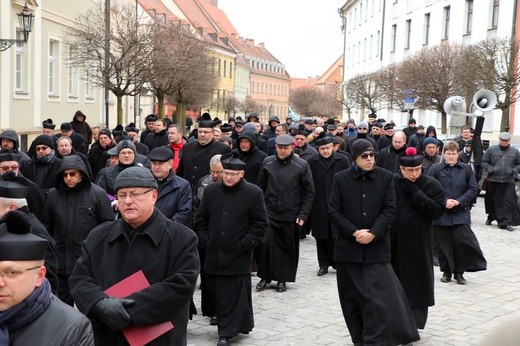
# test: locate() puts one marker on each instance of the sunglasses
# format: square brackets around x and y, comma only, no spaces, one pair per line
[367,155]
[72,174]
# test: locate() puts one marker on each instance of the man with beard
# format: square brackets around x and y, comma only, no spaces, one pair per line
[362,208]
[196,154]
[362,133]
[389,157]
[231,222]
[501,162]
[288,192]
[323,167]
[247,151]
[75,207]
[97,156]
[174,199]
[159,137]
[459,248]
[10,142]
[43,168]
[419,201]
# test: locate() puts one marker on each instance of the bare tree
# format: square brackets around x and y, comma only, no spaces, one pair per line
[129,49]
[180,66]
[491,64]
[249,105]
[231,105]
[367,91]
[311,102]
[431,74]
[349,99]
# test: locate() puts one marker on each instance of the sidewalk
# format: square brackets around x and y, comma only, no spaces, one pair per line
[309,312]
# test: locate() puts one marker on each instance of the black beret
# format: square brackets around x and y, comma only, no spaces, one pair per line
[44,140]
[47,124]
[226,128]
[150,118]
[206,124]
[232,162]
[161,154]
[9,155]
[411,158]
[131,128]
[17,243]
[323,140]
[66,126]
[372,116]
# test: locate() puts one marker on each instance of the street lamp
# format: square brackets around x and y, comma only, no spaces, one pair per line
[25,19]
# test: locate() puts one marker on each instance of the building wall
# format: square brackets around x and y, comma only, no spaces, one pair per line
[379,32]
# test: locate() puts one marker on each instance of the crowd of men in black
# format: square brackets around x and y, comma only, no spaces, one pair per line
[383,206]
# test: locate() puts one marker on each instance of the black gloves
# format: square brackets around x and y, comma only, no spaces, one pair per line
[408,187]
[112,312]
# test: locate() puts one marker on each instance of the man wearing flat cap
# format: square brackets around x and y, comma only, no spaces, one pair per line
[43,167]
[174,198]
[323,167]
[143,239]
[419,201]
[361,209]
[501,162]
[288,192]
[29,313]
[195,157]
[230,223]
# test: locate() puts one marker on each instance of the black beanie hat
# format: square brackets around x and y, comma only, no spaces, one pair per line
[360,146]
[44,140]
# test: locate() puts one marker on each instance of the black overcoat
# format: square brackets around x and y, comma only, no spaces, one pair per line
[411,238]
[230,223]
[164,250]
[323,171]
[362,201]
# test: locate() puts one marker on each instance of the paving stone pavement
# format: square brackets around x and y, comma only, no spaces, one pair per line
[309,313]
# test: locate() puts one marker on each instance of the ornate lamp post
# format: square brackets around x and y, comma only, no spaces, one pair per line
[25,18]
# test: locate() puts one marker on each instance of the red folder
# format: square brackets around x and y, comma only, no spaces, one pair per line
[137,335]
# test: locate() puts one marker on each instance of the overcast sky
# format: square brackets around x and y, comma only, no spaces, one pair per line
[304,35]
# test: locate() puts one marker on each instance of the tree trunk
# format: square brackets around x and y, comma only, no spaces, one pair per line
[179,116]
[443,122]
[504,122]
[119,109]
[160,104]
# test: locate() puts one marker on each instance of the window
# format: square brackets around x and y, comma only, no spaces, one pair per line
[446,23]
[408,33]
[365,49]
[54,63]
[20,66]
[378,42]
[231,70]
[426,34]
[73,73]
[370,51]
[219,62]
[469,17]
[89,88]
[225,65]
[494,13]
[394,36]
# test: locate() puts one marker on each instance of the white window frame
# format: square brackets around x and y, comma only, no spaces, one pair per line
[446,13]
[407,33]
[393,38]
[73,77]
[53,72]
[427,23]
[468,22]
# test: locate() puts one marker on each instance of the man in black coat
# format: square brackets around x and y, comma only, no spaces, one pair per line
[97,156]
[230,223]
[196,154]
[75,206]
[248,152]
[142,240]
[78,141]
[362,208]
[150,126]
[43,168]
[419,201]
[388,158]
[324,166]
[159,137]
[289,193]
[362,133]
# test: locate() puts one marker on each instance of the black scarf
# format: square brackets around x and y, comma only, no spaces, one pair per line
[25,312]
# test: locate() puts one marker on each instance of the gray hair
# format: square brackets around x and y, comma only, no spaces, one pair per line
[215,160]
[64,138]
[18,202]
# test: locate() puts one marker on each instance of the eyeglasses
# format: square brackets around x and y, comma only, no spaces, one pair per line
[72,174]
[11,274]
[216,172]
[41,148]
[7,168]
[367,155]
[231,174]
[132,195]
[412,169]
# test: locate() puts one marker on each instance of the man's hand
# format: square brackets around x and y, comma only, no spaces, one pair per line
[112,312]
[363,236]
[300,222]
[451,203]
